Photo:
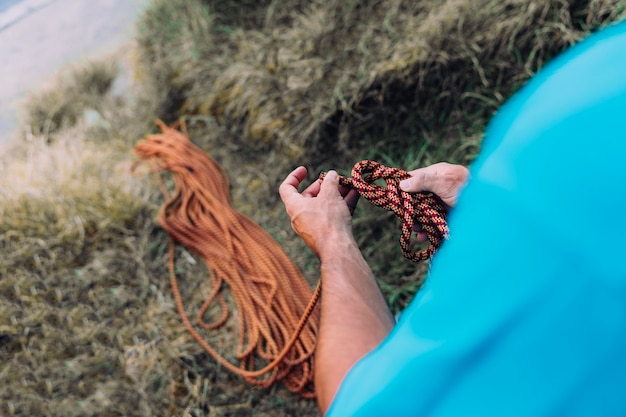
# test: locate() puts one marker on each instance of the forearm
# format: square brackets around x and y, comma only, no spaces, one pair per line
[354,316]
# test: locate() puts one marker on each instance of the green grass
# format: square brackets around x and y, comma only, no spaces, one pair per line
[76,91]
[87,322]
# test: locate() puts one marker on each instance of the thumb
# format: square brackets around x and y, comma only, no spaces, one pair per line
[412,184]
[330,183]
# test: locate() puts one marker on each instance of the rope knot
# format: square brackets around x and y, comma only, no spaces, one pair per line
[423,207]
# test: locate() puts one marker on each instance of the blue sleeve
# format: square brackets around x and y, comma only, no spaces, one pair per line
[524,312]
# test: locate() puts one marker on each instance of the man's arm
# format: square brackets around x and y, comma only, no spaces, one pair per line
[354,315]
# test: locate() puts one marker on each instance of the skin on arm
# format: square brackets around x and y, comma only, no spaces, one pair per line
[354,314]
[355,317]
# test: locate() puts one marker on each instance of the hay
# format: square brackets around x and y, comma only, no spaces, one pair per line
[68,228]
[325,74]
[87,323]
[330,83]
[75,91]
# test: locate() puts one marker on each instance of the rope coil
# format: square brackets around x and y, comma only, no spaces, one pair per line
[423,207]
[277,318]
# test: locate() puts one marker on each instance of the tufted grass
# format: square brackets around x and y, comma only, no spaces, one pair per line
[87,323]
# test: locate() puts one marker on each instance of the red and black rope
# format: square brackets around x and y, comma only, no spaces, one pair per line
[422,207]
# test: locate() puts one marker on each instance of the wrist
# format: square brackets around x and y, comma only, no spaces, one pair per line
[337,247]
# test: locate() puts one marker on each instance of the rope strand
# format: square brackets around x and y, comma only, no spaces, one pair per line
[277,319]
[424,207]
[277,315]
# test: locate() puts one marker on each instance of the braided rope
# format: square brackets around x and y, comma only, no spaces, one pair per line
[423,207]
[276,315]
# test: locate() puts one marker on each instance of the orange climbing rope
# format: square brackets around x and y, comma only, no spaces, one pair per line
[277,318]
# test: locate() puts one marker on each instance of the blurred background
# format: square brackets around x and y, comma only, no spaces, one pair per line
[39,37]
[88,325]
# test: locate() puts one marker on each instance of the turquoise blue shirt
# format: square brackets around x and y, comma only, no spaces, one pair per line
[524,312]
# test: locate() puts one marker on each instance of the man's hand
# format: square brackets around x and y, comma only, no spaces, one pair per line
[322,212]
[443,179]
[354,315]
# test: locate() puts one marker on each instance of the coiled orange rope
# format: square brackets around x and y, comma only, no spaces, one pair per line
[277,318]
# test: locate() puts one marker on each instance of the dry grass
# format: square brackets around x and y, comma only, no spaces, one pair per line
[87,322]
[330,83]
[76,91]
[320,76]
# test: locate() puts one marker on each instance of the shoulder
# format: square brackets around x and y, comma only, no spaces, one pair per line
[586,76]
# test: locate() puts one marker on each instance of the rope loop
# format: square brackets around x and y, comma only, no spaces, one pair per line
[425,208]
[277,318]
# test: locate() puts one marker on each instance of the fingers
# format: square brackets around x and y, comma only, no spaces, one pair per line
[443,179]
[422,236]
[289,186]
[416,182]
[351,198]
[330,185]
[313,189]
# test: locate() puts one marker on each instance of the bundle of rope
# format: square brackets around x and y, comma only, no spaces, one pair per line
[277,319]
[423,207]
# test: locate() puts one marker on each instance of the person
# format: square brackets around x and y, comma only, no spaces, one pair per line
[524,310]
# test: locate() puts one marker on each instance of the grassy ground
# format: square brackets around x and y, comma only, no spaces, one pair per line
[87,322]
